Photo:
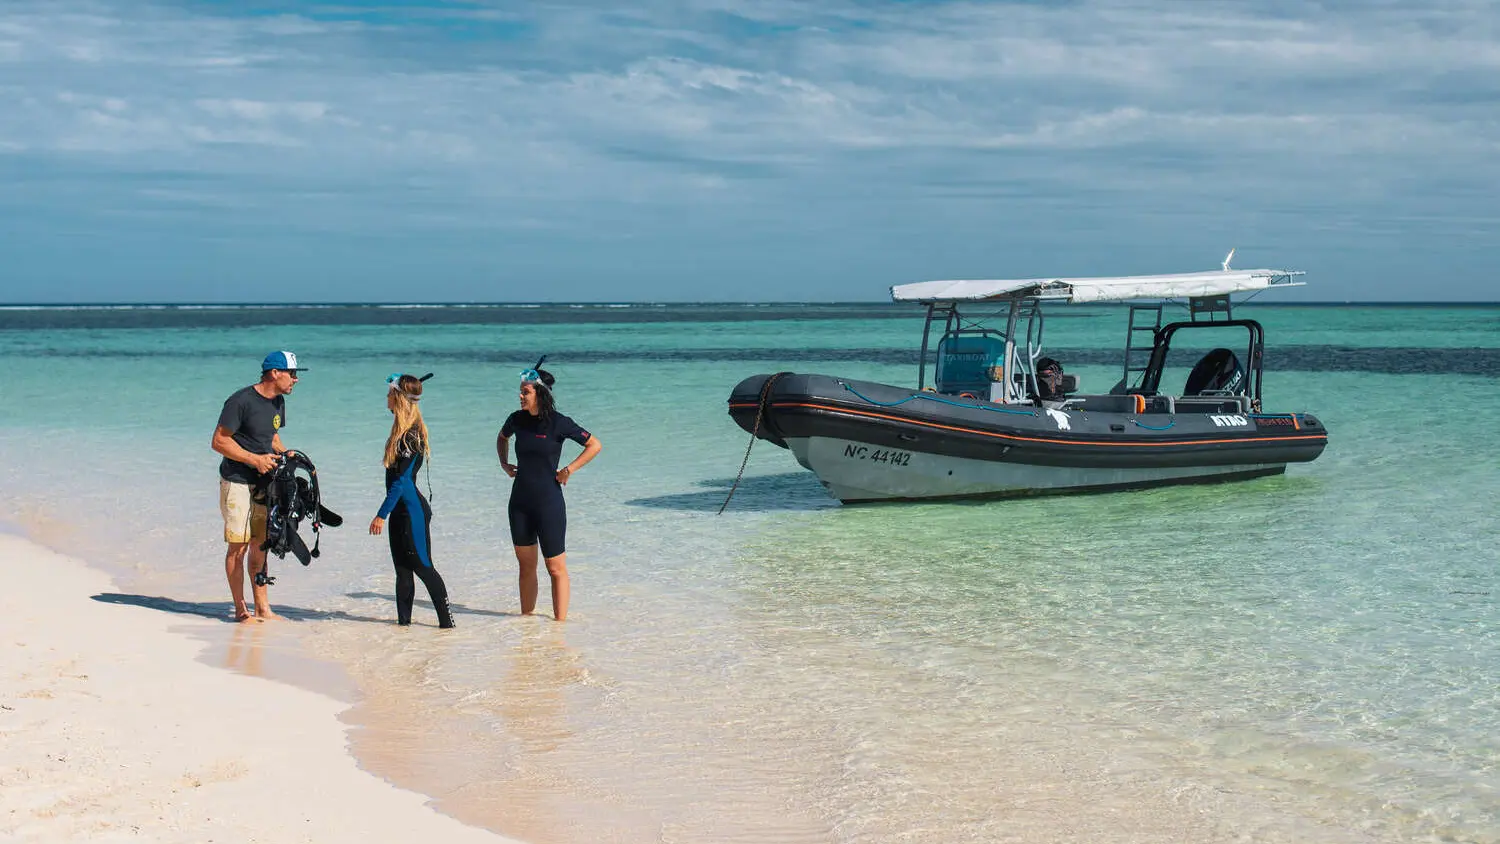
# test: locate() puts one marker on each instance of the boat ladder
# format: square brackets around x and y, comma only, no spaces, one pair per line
[1140,339]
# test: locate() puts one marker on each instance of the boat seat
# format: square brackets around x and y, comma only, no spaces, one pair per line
[1068,384]
[1114,403]
[1048,386]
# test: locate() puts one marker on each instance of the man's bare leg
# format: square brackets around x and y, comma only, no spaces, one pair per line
[262,599]
[234,571]
[526,560]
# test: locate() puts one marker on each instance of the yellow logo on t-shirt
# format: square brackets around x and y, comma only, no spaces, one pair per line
[276,422]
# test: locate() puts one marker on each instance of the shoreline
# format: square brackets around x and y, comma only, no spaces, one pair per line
[117,727]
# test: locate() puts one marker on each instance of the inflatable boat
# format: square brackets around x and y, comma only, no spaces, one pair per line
[999,418]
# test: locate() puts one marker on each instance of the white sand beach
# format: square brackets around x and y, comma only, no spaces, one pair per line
[111,729]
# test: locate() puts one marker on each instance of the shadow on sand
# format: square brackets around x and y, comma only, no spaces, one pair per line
[756,494]
[223,610]
[457,608]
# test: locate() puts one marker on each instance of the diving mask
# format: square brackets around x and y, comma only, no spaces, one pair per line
[531,376]
[393,382]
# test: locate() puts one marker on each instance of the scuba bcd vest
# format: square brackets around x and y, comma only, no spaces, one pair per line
[292,498]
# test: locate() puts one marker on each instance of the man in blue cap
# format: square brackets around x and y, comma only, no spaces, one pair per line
[249,437]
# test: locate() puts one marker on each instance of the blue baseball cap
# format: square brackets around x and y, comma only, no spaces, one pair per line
[281,360]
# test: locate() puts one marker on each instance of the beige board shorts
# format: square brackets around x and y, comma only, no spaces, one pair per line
[244,520]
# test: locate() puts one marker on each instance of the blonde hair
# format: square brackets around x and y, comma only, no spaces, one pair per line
[408,419]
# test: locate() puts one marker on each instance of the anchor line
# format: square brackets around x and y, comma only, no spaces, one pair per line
[760,410]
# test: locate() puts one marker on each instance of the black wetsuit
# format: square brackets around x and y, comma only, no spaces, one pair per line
[537,512]
[409,528]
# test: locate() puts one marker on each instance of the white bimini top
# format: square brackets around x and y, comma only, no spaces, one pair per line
[1106,289]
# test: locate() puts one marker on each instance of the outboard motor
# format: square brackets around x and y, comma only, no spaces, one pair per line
[1218,372]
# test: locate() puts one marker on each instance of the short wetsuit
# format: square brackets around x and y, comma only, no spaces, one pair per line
[537,512]
[409,528]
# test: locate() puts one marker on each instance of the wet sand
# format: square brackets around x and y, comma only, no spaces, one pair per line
[112,727]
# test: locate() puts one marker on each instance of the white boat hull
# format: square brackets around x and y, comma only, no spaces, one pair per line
[854,471]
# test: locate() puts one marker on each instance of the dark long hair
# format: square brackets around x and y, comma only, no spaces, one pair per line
[545,404]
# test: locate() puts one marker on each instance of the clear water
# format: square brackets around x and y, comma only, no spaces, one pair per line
[1309,657]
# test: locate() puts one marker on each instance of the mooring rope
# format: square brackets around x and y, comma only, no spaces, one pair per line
[760,410]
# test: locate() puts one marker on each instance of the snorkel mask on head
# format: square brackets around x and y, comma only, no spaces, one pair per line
[533,376]
[393,383]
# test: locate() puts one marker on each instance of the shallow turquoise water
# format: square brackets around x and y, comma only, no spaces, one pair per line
[1321,647]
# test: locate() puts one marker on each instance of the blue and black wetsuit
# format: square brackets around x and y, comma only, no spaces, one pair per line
[537,512]
[409,527]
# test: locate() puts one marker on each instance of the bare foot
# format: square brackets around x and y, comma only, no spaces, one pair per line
[244,617]
[266,614]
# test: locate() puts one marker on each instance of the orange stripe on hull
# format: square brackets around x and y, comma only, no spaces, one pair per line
[996,435]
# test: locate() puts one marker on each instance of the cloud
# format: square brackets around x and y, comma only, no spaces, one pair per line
[425,113]
[260,111]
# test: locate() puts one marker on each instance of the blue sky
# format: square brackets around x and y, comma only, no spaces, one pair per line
[673,150]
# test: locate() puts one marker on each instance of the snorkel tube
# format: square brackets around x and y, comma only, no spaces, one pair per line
[534,375]
[393,382]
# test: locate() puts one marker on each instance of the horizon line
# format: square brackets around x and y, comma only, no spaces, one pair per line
[661,303]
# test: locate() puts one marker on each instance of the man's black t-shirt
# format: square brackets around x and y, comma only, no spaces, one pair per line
[253,420]
[539,446]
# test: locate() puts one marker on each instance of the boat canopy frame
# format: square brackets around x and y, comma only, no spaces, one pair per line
[956,326]
[1253,362]
[1017,381]
[1208,302]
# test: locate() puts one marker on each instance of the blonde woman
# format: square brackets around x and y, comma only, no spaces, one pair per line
[408,511]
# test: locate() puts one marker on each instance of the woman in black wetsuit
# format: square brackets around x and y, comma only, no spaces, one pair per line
[409,513]
[537,512]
